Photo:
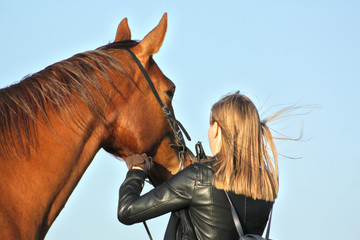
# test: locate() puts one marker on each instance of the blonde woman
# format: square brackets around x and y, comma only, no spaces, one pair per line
[242,165]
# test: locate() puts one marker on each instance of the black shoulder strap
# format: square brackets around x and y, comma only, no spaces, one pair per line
[235,217]
[267,236]
[237,221]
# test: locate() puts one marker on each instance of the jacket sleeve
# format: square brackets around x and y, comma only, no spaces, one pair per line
[172,195]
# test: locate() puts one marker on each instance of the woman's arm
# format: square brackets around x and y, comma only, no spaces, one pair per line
[173,195]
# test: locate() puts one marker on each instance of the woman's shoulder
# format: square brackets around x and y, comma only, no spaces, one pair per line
[206,164]
[205,171]
[196,170]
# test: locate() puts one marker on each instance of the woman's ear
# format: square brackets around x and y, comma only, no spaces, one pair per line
[218,137]
[215,141]
[218,131]
[215,135]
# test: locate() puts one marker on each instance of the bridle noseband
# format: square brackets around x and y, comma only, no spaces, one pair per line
[176,126]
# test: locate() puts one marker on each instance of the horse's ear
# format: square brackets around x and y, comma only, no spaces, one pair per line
[123,31]
[153,40]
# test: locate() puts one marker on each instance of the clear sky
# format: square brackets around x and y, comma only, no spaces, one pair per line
[279,53]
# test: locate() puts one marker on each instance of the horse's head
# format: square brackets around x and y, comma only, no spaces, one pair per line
[137,123]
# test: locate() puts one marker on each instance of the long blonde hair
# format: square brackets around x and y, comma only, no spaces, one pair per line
[243,164]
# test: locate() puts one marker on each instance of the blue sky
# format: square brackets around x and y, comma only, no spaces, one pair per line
[279,53]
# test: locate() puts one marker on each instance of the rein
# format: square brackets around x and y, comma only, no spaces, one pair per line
[176,126]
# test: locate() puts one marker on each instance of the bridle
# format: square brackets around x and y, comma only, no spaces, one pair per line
[176,126]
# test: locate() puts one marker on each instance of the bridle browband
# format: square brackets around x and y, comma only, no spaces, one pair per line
[176,126]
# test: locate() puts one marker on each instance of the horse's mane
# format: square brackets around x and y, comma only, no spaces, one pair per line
[59,86]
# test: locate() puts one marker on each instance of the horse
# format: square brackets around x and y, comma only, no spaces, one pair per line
[52,124]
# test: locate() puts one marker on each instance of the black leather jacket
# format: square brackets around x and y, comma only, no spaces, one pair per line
[199,210]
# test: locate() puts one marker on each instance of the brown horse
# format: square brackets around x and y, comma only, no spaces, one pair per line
[53,123]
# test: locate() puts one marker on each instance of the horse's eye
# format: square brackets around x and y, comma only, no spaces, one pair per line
[170,93]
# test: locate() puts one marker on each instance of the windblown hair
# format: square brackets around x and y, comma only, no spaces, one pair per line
[244,164]
[59,87]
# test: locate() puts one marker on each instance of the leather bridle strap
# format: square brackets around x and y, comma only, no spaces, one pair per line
[146,75]
[176,126]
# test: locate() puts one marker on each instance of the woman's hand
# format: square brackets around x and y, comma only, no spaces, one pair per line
[141,162]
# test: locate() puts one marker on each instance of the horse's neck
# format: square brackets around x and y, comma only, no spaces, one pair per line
[45,180]
[72,156]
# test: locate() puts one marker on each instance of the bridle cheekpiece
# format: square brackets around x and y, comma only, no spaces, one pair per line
[176,126]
